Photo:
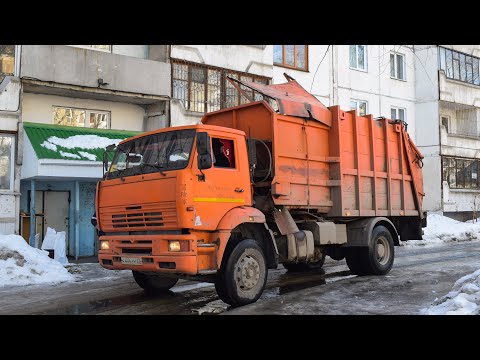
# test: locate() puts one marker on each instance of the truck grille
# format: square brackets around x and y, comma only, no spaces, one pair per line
[131,218]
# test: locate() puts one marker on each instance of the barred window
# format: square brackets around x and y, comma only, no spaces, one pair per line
[459,66]
[461,173]
[202,88]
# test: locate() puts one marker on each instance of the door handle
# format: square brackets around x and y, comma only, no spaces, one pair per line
[239,190]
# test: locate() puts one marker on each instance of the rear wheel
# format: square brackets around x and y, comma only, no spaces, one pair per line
[154,282]
[243,276]
[377,258]
[301,267]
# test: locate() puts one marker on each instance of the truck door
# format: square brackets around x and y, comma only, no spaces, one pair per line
[226,185]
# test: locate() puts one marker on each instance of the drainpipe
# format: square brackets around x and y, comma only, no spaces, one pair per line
[77,220]
[32,213]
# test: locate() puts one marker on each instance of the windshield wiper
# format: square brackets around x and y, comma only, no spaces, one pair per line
[155,166]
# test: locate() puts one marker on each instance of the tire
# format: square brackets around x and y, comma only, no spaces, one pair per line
[377,258]
[155,283]
[243,275]
[302,267]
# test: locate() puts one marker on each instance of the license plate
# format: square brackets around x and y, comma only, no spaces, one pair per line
[131,261]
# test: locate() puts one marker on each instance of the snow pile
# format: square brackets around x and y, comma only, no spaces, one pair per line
[70,155]
[21,264]
[441,229]
[82,142]
[464,299]
[88,156]
[87,142]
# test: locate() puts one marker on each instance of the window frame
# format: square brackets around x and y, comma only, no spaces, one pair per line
[235,157]
[88,47]
[12,161]
[449,61]
[294,67]
[396,108]
[87,116]
[395,66]
[357,109]
[446,160]
[448,128]
[365,58]
[226,90]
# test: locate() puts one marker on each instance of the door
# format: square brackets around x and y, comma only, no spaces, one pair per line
[56,212]
[226,184]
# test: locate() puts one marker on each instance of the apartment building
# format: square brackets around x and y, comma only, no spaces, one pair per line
[73,101]
[448,104]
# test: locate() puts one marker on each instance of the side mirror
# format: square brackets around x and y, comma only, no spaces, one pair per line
[203,149]
[105,161]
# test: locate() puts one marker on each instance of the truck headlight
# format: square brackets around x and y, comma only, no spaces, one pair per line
[173,245]
[104,245]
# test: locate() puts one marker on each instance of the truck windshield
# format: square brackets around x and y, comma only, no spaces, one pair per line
[153,153]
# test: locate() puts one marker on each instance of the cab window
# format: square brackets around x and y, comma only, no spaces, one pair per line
[223,153]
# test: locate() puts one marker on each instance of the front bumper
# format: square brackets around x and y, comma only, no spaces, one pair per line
[150,253]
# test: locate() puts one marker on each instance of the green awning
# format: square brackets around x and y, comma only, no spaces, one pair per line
[72,143]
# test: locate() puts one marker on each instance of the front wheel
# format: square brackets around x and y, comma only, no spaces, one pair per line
[154,282]
[242,278]
[377,258]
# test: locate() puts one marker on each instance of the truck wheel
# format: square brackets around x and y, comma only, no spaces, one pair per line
[243,276]
[377,258]
[301,267]
[154,282]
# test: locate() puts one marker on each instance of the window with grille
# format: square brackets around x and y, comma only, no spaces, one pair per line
[7,61]
[461,173]
[202,88]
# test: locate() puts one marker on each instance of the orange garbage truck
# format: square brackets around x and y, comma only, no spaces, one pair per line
[283,180]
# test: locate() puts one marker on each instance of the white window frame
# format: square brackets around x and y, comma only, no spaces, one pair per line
[357,106]
[92,48]
[396,108]
[365,58]
[12,163]
[87,115]
[395,66]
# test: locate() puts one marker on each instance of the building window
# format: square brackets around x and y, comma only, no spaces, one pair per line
[358,57]
[81,117]
[7,61]
[459,66]
[398,113]
[203,88]
[360,106]
[292,56]
[106,48]
[397,66]
[446,123]
[7,155]
[461,173]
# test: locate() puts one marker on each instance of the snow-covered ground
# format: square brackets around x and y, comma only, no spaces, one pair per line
[464,299]
[21,264]
[441,229]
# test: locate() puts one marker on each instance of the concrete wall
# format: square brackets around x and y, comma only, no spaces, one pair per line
[38,108]
[458,92]
[455,200]
[252,59]
[77,66]
[138,51]
[427,123]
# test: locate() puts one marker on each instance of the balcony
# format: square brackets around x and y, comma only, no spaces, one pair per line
[69,71]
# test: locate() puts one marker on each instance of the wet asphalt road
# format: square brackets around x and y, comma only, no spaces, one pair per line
[419,275]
